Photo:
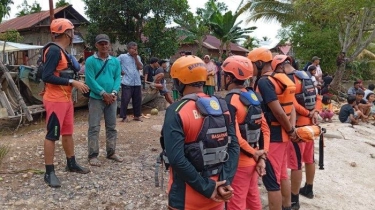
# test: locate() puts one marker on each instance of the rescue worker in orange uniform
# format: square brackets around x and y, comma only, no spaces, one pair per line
[306,104]
[199,141]
[58,76]
[245,107]
[277,91]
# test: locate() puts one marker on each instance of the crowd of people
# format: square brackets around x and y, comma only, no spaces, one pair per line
[216,148]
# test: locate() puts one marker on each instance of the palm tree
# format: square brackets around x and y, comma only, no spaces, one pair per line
[270,10]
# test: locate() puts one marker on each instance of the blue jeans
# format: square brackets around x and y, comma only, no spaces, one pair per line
[96,109]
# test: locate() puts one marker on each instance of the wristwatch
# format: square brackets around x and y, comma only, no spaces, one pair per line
[113,93]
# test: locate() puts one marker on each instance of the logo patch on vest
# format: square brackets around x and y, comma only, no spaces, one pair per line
[254,97]
[214,105]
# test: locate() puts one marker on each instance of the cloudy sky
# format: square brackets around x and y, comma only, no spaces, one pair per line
[264,29]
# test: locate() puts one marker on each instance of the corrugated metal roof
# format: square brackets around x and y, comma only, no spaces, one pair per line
[27,21]
[213,43]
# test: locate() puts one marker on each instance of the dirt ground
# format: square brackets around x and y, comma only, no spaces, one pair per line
[345,183]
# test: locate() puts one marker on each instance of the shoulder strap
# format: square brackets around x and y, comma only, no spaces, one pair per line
[192,96]
[301,75]
[52,43]
[101,70]
[236,91]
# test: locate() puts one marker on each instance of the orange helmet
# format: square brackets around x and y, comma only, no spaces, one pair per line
[240,66]
[189,69]
[260,54]
[279,59]
[60,25]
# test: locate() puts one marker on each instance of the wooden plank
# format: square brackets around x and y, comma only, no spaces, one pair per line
[16,92]
[5,103]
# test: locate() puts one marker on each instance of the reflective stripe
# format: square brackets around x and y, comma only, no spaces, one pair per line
[214,158]
[214,150]
[253,135]
[256,116]
[217,130]
[165,159]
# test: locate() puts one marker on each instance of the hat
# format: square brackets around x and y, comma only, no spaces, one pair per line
[315,58]
[207,56]
[101,38]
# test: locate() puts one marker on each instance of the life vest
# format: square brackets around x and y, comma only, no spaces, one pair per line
[285,90]
[61,71]
[208,152]
[250,127]
[308,133]
[306,92]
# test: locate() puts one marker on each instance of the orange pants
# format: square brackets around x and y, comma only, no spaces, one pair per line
[246,192]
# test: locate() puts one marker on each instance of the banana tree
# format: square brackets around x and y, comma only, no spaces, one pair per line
[226,29]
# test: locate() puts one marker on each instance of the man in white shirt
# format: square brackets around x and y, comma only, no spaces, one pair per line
[319,74]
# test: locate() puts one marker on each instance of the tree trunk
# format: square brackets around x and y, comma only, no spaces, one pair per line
[336,82]
[221,50]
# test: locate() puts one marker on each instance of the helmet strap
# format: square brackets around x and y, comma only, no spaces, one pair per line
[70,38]
[260,66]
[179,86]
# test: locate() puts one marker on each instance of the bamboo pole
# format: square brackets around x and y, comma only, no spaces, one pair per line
[16,92]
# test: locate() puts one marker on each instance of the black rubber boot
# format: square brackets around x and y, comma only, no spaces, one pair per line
[307,191]
[295,202]
[72,166]
[52,180]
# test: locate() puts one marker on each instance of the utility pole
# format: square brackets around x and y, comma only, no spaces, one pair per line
[51,15]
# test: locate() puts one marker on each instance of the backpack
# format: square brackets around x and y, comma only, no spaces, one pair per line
[209,151]
[67,73]
[307,98]
[250,127]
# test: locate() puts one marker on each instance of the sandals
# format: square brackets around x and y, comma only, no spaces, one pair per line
[125,120]
[94,162]
[137,119]
[116,158]
[134,119]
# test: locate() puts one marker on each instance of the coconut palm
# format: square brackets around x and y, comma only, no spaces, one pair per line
[269,10]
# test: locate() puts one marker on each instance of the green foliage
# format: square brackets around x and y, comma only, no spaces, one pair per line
[162,40]
[251,43]
[11,36]
[5,8]
[360,70]
[226,28]
[61,3]
[313,40]
[130,20]
[27,9]
[270,10]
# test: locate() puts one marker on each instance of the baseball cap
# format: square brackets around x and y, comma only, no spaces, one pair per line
[207,56]
[315,58]
[101,38]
